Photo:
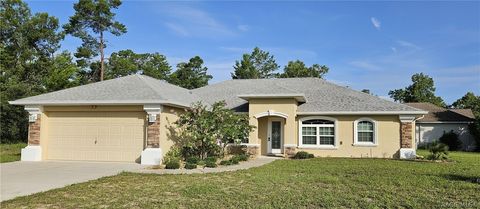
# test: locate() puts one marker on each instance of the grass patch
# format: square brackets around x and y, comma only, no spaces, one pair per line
[10,152]
[312,183]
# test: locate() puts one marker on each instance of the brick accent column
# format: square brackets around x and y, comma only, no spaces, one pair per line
[406,135]
[34,131]
[153,133]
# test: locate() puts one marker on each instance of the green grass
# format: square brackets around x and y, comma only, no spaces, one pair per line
[313,183]
[10,152]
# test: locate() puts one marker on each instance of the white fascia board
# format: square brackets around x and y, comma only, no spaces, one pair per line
[364,113]
[101,102]
[298,97]
[445,122]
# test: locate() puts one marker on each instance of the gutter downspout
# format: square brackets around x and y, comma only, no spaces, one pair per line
[419,130]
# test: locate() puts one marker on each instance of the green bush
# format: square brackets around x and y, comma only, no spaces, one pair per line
[211,159]
[172,164]
[190,166]
[172,155]
[234,160]
[438,151]
[242,157]
[451,140]
[303,155]
[210,164]
[192,160]
[201,162]
[226,162]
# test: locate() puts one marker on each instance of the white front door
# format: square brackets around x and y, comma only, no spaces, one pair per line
[275,136]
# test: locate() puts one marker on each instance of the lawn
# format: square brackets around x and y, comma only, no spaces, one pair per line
[10,152]
[319,182]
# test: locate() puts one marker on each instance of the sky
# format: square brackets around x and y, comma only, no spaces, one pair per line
[366,45]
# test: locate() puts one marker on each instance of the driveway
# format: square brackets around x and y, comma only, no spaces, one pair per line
[24,178]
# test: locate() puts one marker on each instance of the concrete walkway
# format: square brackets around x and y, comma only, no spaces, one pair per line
[24,178]
[259,161]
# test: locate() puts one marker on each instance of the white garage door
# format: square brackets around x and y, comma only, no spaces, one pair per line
[95,136]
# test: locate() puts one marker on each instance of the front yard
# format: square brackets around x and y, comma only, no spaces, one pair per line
[319,182]
[10,152]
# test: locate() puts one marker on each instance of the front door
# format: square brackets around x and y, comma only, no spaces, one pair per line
[275,136]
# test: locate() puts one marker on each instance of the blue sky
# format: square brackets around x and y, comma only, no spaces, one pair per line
[367,45]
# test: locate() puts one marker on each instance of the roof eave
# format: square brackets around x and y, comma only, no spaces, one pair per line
[298,97]
[364,113]
[107,102]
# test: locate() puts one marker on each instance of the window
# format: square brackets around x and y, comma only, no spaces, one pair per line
[317,132]
[365,132]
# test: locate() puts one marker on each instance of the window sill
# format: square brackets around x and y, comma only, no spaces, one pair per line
[365,145]
[317,147]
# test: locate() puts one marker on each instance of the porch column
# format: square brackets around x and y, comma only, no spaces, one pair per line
[152,155]
[33,151]
[406,137]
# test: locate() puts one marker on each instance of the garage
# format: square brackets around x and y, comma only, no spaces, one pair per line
[95,136]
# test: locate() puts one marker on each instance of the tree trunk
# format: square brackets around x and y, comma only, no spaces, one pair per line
[101,57]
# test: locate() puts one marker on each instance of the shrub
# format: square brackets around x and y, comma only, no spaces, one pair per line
[211,159]
[451,140]
[226,162]
[172,164]
[172,159]
[438,151]
[190,166]
[234,160]
[242,157]
[201,162]
[210,164]
[192,160]
[303,155]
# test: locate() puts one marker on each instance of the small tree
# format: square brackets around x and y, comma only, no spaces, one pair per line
[205,130]
[438,151]
[451,140]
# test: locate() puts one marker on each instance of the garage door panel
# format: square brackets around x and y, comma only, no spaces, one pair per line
[96,136]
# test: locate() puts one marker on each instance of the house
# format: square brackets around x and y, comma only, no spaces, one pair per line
[439,121]
[131,119]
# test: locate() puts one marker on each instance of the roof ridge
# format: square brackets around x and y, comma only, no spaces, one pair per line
[142,77]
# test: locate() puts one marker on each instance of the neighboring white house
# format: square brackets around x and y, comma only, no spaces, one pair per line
[439,121]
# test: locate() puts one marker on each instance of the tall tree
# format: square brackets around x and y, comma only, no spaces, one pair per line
[470,101]
[422,89]
[297,69]
[127,62]
[92,19]
[62,73]
[27,43]
[191,75]
[258,64]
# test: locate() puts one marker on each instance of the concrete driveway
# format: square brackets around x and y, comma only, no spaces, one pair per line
[24,178]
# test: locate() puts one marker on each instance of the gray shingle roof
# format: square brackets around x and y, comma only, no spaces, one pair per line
[321,96]
[133,89]
[440,114]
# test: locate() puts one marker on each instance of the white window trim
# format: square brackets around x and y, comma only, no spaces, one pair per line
[375,133]
[309,146]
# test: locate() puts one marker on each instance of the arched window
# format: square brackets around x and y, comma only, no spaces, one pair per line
[317,132]
[365,132]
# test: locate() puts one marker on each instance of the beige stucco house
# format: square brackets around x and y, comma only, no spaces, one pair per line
[131,119]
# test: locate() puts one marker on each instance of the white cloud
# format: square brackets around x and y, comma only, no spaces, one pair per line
[408,44]
[178,29]
[376,23]
[236,49]
[189,21]
[243,28]
[365,65]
